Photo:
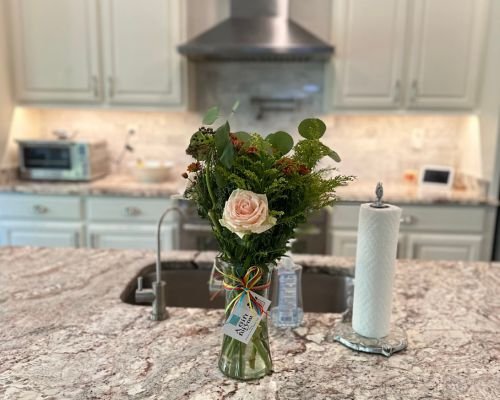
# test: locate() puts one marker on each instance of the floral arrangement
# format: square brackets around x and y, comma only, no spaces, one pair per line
[256,191]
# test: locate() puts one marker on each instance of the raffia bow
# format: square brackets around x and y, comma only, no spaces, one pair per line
[245,286]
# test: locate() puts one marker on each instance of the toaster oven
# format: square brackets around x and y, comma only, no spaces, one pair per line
[62,160]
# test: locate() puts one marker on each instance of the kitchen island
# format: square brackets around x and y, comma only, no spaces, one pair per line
[65,333]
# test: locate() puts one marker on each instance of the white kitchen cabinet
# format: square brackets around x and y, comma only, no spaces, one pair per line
[128,210]
[446,53]
[369,52]
[424,54]
[444,247]
[111,236]
[343,242]
[41,220]
[142,65]
[79,221]
[55,50]
[130,223]
[110,52]
[44,234]
[426,232]
[40,208]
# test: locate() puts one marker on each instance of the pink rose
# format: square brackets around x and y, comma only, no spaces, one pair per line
[247,212]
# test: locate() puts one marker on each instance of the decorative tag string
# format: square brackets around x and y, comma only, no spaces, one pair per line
[245,286]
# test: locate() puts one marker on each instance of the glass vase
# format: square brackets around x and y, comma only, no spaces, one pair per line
[239,360]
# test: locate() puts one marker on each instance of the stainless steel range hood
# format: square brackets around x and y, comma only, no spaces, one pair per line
[257,30]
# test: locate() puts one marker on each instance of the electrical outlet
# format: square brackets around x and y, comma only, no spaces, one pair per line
[417,139]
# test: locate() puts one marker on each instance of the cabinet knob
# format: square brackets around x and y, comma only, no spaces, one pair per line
[397,92]
[39,209]
[95,86]
[414,91]
[133,211]
[111,87]
[408,220]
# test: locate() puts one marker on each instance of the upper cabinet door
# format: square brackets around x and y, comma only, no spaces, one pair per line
[369,46]
[142,65]
[447,46]
[55,50]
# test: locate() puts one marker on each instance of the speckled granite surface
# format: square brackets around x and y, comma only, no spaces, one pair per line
[111,185]
[66,334]
[125,185]
[7,175]
[409,194]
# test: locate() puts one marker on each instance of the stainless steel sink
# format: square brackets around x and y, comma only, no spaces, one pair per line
[187,286]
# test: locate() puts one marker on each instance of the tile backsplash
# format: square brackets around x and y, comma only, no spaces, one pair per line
[382,147]
[297,85]
[372,147]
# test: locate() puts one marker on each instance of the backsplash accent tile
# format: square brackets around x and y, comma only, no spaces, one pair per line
[222,83]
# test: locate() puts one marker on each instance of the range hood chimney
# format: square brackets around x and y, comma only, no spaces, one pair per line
[257,30]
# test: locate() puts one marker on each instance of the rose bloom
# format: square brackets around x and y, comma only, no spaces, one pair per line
[247,212]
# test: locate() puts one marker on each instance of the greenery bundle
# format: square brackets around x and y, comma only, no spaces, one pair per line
[273,182]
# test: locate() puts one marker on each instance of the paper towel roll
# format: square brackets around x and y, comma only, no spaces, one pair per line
[378,231]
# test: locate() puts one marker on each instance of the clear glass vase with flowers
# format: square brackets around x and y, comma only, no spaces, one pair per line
[255,191]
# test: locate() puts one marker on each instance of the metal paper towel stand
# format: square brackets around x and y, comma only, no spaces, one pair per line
[395,341]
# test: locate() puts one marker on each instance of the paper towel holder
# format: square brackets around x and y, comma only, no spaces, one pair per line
[394,342]
[379,192]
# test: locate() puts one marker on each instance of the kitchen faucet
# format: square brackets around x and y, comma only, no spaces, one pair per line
[156,295]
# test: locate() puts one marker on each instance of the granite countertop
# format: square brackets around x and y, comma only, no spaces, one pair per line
[66,334]
[126,185]
[398,193]
[111,185]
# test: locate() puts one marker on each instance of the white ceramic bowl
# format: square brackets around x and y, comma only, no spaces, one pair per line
[152,171]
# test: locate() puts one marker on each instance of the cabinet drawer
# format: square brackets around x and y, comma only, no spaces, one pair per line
[128,209]
[421,218]
[40,207]
[120,236]
[463,219]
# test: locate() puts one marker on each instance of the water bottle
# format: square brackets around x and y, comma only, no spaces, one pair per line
[286,306]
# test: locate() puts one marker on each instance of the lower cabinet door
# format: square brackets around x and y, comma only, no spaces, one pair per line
[131,237]
[444,247]
[43,235]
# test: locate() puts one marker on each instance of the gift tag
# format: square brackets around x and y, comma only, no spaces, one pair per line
[243,321]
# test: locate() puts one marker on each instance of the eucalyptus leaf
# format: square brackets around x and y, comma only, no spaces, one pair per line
[330,153]
[211,116]
[227,157]
[235,106]
[334,156]
[222,138]
[312,128]
[281,141]
[245,137]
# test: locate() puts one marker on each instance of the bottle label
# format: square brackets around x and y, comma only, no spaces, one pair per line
[244,319]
